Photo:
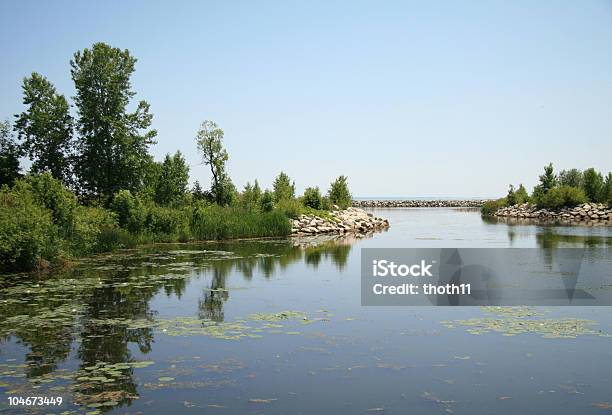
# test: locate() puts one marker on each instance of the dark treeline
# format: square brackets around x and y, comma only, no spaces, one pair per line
[93,186]
[555,191]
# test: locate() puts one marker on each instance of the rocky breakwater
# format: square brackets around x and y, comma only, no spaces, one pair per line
[587,212]
[418,203]
[351,220]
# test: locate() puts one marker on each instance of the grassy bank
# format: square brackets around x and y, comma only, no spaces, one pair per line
[43,223]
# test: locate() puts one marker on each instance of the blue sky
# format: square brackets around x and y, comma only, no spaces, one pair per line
[429,98]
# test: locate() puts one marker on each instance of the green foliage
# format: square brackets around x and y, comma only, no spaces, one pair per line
[113,144]
[9,156]
[290,208]
[27,232]
[559,197]
[209,141]
[266,203]
[217,222]
[312,198]
[168,224]
[548,180]
[95,230]
[572,178]
[130,210]
[282,188]
[251,196]
[517,196]
[593,185]
[173,180]
[53,195]
[491,206]
[607,190]
[339,193]
[197,192]
[45,128]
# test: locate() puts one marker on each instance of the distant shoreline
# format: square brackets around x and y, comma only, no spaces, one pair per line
[418,203]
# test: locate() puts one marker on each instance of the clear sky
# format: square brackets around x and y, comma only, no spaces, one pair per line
[429,98]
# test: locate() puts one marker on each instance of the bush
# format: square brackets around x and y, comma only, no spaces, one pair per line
[291,208]
[491,206]
[266,203]
[282,187]
[95,230]
[562,196]
[312,198]
[339,193]
[216,222]
[168,224]
[593,184]
[131,212]
[27,232]
[51,194]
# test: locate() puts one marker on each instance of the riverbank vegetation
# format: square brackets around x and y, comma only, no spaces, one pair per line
[555,191]
[93,186]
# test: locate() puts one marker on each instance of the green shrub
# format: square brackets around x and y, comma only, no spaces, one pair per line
[266,203]
[216,222]
[95,230]
[312,198]
[51,194]
[339,193]
[130,210]
[290,208]
[562,196]
[168,223]
[27,232]
[593,183]
[521,196]
[282,187]
[491,206]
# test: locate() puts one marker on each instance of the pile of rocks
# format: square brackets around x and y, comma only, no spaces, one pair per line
[596,212]
[418,203]
[340,221]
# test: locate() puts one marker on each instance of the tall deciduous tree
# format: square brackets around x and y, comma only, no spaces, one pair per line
[114,143]
[210,143]
[593,183]
[9,155]
[45,128]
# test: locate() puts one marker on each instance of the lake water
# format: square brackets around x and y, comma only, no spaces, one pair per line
[276,327]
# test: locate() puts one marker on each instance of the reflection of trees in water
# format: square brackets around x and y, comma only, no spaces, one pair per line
[112,290]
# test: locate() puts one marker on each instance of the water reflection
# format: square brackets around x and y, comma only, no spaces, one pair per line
[95,307]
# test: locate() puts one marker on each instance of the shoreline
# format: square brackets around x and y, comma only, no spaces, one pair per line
[416,203]
[584,214]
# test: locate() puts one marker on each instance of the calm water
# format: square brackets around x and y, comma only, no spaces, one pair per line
[276,327]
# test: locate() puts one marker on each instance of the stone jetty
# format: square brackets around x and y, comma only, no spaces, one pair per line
[473,203]
[351,220]
[587,212]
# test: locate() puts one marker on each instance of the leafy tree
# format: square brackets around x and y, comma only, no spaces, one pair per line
[251,196]
[173,179]
[339,193]
[45,128]
[510,198]
[197,192]
[572,178]
[520,195]
[113,144]
[131,212]
[312,198]
[282,188]
[593,184]
[266,203]
[548,180]
[210,143]
[9,156]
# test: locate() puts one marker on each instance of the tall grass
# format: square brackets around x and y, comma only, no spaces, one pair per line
[216,222]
